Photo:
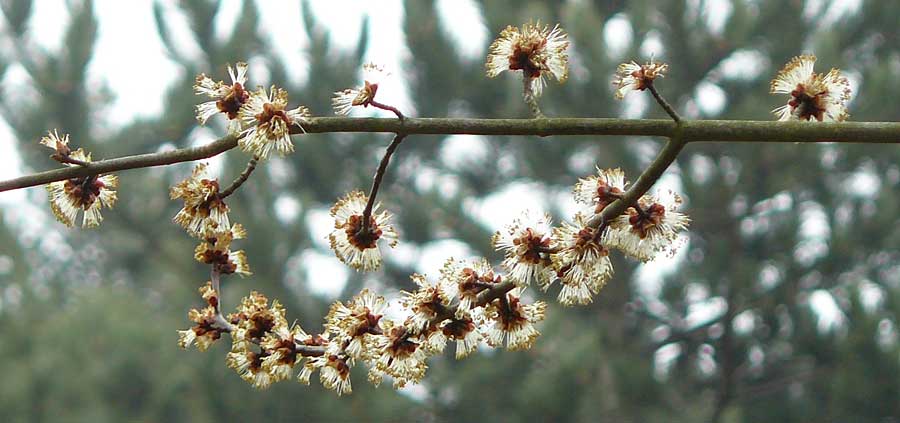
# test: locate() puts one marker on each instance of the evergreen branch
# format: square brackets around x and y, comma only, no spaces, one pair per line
[691,131]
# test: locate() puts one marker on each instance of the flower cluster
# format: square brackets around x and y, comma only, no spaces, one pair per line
[86,194]
[538,51]
[203,206]
[260,117]
[635,77]
[822,97]
[354,243]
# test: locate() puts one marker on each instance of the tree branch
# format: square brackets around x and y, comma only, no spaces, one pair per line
[692,131]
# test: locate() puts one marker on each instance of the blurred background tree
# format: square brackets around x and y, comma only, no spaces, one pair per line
[781,306]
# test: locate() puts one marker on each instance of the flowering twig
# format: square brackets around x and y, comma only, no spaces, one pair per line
[251,165]
[706,130]
[663,103]
[646,180]
[376,183]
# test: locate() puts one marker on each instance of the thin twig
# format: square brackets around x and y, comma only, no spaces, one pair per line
[693,131]
[376,183]
[241,178]
[663,103]
[383,106]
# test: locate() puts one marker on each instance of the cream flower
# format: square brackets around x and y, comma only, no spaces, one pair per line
[83,193]
[582,261]
[202,205]
[635,77]
[346,99]
[60,145]
[600,190]
[812,95]
[268,123]
[353,247]
[334,370]
[469,280]
[254,320]
[525,243]
[536,50]
[249,365]
[464,332]
[280,346]
[358,320]
[513,322]
[226,99]
[426,302]
[651,229]
[215,249]
[204,333]
[399,357]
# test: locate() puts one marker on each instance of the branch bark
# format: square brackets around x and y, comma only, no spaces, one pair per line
[691,131]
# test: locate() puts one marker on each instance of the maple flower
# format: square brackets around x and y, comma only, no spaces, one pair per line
[249,365]
[60,145]
[353,246]
[215,249]
[345,100]
[469,281]
[513,322]
[812,95]
[426,302]
[334,369]
[525,243]
[602,189]
[203,207]
[635,77]
[268,123]
[204,332]
[534,49]
[398,356]
[357,320]
[464,331]
[226,99]
[84,193]
[254,320]
[650,228]
[582,261]
[280,345]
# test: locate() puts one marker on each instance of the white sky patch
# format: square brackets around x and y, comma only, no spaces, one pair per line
[283,28]
[652,46]
[325,274]
[744,322]
[501,207]
[463,22]
[202,135]
[45,28]
[434,254]
[829,316]
[137,71]
[710,98]
[319,223]
[287,208]
[716,14]
[864,182]
[462,151]
[744,65]
[814,232]
[617,35]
